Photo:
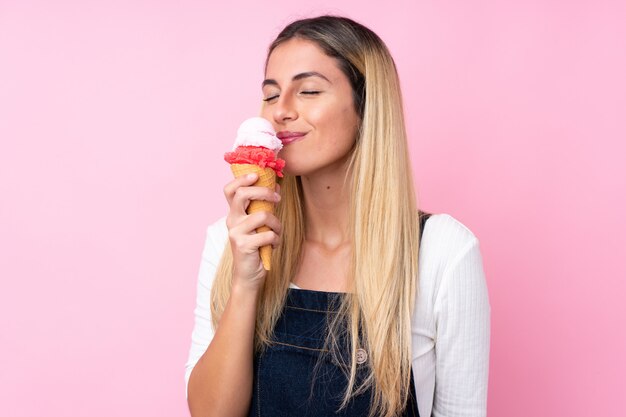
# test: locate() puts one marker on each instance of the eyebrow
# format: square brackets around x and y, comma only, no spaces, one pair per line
[297,77]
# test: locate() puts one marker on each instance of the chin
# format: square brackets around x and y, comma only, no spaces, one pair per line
[295,167]
[293,172]
[298,170]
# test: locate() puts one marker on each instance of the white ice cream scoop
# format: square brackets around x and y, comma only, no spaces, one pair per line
[257,131]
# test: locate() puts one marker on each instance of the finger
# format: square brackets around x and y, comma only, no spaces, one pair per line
[243,195]
[242,181]
[249,244]
[250,223]
[268,238]
[265,218]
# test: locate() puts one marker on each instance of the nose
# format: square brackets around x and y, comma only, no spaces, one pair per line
[284,110]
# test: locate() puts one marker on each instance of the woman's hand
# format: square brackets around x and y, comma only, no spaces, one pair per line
[248,271]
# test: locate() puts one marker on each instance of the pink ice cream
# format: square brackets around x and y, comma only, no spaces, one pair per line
[257,144]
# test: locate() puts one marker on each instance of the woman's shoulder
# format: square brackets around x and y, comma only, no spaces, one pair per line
[451,275]
[443,231]
[447,245]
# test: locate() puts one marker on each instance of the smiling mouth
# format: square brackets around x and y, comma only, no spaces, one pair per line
[289,137]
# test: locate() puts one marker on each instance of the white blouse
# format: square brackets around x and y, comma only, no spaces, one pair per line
[450,323]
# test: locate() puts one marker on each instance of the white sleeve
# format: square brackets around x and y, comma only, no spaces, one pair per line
[462,314]
[203,330]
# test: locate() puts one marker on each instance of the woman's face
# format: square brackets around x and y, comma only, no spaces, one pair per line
[309,101]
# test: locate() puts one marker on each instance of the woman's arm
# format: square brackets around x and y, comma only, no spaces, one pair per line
[220,383]
[462,314]
[207,345]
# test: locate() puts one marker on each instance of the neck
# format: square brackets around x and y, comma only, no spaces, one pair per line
[326,208]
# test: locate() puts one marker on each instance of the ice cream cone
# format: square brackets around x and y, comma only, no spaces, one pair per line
[267,178]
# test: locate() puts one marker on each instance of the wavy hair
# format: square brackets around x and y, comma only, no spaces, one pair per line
[384,224]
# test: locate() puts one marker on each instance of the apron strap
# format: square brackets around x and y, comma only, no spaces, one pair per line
[423,217]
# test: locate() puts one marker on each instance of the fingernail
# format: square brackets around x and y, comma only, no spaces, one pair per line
[251,176]
[277,196]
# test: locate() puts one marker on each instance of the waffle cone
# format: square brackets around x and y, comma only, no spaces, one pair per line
[267,178]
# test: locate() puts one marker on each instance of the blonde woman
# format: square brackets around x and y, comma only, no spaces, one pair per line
[356,317]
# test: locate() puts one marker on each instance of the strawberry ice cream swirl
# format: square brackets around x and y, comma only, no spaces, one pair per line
[256,155]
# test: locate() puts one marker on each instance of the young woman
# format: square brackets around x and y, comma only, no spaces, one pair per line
[350,321]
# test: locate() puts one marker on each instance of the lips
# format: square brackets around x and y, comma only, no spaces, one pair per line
[289,137]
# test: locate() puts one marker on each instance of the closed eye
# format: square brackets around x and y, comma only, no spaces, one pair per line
[308,92]
[271,98]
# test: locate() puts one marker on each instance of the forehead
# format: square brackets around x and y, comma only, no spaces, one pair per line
[299,55]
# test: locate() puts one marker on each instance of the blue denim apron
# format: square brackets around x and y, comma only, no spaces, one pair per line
[287,382]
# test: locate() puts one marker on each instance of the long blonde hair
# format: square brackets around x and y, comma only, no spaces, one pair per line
[384,224]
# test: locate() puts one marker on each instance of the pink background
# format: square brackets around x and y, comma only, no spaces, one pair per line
[113,119]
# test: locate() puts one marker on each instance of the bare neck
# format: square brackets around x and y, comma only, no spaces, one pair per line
[326,207]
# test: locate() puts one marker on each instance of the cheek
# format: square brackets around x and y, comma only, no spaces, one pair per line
[347,124]
[336,122]
[319,117]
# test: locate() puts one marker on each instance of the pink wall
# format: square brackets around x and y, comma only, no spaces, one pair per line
[113,119]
